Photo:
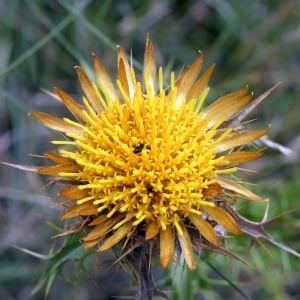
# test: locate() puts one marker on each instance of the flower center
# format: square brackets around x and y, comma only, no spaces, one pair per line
[149,160]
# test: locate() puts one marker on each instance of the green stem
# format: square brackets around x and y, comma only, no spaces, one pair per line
[231,283]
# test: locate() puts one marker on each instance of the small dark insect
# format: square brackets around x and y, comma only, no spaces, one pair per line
[138,148]
[149,189]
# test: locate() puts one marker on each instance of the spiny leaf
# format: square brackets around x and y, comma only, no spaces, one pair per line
[71,249]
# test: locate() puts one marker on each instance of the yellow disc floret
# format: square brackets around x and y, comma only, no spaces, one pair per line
[149,159]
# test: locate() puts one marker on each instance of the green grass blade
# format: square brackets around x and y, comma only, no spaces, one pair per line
[97,32]
[230,282]
[43,18]
[43,41]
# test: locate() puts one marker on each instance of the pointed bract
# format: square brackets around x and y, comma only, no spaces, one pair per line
[89,91]
[205,229]
[58,158]
[188,79]
[126,76]
[149,70]
[152,230]
[104,80]
[201,83]
[116,237]
[72,192]
[56,123]
[55,170]
[187,247]
[223,218]
[240,140]
[70,103]
[240,157]
[225,107]
[102,228]
[167,246]
[237,188]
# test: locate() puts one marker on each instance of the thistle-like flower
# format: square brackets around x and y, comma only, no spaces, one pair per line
[141,161]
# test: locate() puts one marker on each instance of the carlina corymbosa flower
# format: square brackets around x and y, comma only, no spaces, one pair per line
[145,165]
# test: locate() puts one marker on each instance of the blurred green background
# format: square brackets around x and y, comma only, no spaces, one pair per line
[255,43]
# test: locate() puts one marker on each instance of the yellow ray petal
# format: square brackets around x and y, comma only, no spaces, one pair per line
[237,188]
[58,158]
[149,70]
[239,140]
[166,246]
[152,230]
[225,107]
[223,218]
[239,157]
[73,192]
[188,79]
[104,80]
[201,83]
[102,228]
[126,75]
[70,103]
[55,170]
[55,123]
[89,91]
[187,247]
[116,237]
[204,228]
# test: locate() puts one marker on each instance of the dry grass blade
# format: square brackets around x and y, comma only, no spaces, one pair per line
[20,167]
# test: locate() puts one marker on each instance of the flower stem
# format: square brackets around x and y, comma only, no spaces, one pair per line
[139,261]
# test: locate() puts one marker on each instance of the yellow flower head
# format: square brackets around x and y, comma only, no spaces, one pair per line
[148,161]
